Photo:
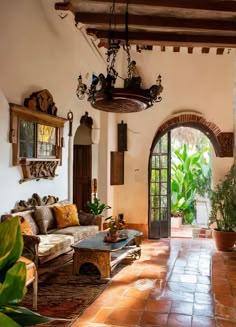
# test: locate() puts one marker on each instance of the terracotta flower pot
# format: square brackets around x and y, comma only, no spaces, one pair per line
[224,241]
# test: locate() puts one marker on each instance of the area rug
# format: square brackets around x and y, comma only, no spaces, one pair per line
[64,295]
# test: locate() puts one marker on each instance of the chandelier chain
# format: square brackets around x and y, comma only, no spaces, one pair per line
[127,45]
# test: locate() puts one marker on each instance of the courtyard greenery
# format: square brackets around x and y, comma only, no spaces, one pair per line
[190,175]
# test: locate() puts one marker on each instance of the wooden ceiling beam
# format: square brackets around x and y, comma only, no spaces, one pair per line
[205,50]
[209,5]
[173,39]
[156,21]
[220,51]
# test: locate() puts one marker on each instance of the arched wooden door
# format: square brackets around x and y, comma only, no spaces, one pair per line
[159,188]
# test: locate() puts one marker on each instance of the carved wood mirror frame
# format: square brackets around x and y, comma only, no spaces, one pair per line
[18,113]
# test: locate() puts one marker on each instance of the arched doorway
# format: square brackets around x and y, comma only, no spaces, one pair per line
[160,167]
[82,163]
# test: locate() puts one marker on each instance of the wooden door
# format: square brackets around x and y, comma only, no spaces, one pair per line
[82,175]
[159,201]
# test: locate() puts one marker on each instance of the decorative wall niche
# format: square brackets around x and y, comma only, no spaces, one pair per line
[37,141]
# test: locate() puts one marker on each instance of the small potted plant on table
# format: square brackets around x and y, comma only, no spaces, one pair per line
[97,208]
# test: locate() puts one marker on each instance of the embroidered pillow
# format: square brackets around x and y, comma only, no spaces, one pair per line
[66,215]
[25,226]
[44,218]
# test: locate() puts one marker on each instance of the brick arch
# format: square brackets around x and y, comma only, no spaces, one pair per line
[222,142]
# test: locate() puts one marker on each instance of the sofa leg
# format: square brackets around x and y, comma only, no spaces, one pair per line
[35,291]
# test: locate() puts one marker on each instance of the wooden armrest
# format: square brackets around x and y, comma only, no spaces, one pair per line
[30,250]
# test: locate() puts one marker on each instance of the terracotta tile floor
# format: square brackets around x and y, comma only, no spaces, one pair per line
[176,283]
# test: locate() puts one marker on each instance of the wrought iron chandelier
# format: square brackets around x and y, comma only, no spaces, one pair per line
[102,93]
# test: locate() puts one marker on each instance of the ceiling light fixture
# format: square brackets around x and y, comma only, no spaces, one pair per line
[102,93]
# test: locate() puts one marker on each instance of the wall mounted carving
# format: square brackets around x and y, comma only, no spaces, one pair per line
[38,168]
[226,141]
[42,101]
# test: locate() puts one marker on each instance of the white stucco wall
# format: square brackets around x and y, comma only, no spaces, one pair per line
[192,82]
[40,50]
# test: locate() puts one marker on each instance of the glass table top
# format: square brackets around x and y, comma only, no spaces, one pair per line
[96,242]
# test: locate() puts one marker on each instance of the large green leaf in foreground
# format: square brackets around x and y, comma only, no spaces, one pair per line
[11,244]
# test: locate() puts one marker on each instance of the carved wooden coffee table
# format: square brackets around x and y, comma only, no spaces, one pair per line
[105,256]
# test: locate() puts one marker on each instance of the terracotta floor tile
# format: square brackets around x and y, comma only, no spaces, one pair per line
[171,285]
[225,300]
[182,307]
[101,315]
[206,280]
[160,306]
[225,323]
[203,298]
[203,288]
[178,320]
[184,278]
[203,322]
[232,282]
[173,296]
[90,312]
[153,319]
[131,303]
[206,310]
[181,287]
[124,317]
[133,292]
[225,312]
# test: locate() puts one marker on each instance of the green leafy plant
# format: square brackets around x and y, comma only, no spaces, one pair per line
[190,175]
[97,208]
[13,278]
[223,203]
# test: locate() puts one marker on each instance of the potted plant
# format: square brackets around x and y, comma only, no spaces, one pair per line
[96,207]
[114,226]
[13,279]
[223,212]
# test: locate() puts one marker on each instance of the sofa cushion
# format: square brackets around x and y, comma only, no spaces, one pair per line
[25,226]
[44,218]
[78,232]
[50,244]
[86,219]
[28,216]
[66,215]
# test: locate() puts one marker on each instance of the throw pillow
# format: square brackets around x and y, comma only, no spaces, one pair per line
[86,219]
[25,226]
[28,216]
[66,215]
[44,218]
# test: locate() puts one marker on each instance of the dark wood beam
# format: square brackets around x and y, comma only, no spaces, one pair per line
[190,50]
[220,51]
[156,21]
[172,39]
[210,5]
[205,50]
[176,49]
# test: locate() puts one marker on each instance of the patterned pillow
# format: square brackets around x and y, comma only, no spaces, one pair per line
[66,215]
[86,219]
[44,218]
[25,226]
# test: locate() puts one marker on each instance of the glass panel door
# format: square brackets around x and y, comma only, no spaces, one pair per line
[159,214]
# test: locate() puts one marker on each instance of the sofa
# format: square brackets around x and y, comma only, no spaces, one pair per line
[50,230]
